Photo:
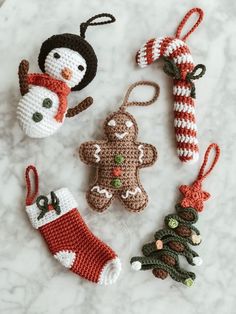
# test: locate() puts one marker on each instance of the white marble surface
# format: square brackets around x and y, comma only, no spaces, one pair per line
[31,281]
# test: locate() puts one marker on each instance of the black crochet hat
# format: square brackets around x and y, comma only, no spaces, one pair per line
[76,43]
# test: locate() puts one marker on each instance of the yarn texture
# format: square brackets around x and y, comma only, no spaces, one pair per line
[68,63]
[179,64]
[118,159]
[68,238]
[179,233]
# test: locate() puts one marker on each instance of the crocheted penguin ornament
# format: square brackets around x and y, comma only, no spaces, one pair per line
[180,66]
[68,63]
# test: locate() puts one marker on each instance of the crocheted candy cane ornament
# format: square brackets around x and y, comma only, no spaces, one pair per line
[162,255]
[119,157]
[70,241]
[179,64]
[69,63]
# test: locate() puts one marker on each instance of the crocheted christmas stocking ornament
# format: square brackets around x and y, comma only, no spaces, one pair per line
[180,66]
[118,159]
[162,255]
[70,241]
[69,63]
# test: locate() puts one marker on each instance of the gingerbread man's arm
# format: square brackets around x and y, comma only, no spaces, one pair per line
[91,152]
[147,154]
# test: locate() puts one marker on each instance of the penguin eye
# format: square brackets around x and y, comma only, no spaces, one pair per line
[81,68]
[56,55]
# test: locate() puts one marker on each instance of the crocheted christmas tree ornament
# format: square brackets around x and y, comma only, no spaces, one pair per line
[118,159]
[180,66]
[162,255]
[68,238]
[69,63]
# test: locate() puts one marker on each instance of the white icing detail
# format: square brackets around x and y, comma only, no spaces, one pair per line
[112,123]
[101,191]
[66,203]
[181,123]
[68,59]
[136,265]
[140,148]
[66,258]
[128,193]
[181,91]
[31,103]
[197,261]
[110,272]
[129,124]
[98,149]
[120,136]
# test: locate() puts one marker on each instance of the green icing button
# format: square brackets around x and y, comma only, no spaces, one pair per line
[116,183]
[119,159]
[188,282]
[47,103]
[173,223]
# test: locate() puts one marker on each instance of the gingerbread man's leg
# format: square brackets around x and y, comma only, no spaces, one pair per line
[134,198]
[99,197]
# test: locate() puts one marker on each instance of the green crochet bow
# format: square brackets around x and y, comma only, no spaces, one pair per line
[43,204]
[171,69]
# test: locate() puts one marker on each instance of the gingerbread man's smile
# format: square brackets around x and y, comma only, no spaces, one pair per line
[120,136]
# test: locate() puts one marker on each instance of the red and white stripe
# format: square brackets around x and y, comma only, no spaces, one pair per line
[184,107]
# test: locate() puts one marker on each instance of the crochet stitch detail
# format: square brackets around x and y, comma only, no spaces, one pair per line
[118,159]
[174,240]
[58,87]
[179,64]
[68,237]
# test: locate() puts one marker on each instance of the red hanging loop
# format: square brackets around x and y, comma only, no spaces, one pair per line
[31,194]
[185,19]
[202,175]
[194,195]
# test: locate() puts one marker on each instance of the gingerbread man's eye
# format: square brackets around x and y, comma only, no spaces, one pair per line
[112,123]
[129,124]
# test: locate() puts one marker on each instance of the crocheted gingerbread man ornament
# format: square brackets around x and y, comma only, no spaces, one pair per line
[68,63]
[162,255]
[119,158]
[70,241]
[180,66]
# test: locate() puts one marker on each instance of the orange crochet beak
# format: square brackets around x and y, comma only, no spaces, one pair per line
[66,73]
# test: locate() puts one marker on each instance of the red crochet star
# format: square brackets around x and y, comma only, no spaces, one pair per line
[194,196]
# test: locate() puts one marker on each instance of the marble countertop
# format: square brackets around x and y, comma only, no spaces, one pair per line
[31,281]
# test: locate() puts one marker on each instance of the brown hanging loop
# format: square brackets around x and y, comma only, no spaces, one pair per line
[126,103]
[90,22]
[185,19]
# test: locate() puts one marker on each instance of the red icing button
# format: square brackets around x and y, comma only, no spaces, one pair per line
[117,172]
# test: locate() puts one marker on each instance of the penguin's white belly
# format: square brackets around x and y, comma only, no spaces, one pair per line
[36,111]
